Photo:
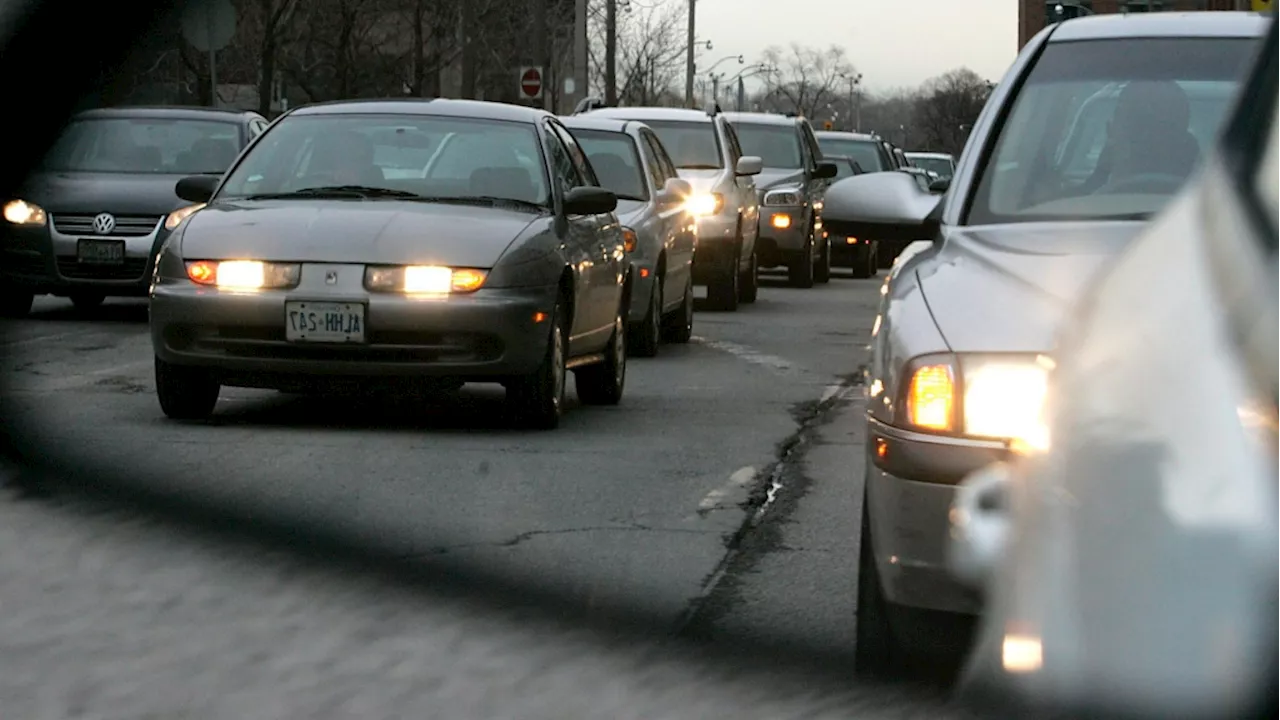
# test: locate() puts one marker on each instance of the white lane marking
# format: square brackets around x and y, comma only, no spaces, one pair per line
[740,478]
[772,362]
[837,391]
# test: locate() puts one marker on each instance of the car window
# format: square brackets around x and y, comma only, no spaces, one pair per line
[615,161]
[735,145]
[657,173]
[660,151]
[811,142]
[691,145]
[778,146]
[145,145]
[576,153]
[863,152]
[562,167]
[940,165]
[475,157]
[1101,129]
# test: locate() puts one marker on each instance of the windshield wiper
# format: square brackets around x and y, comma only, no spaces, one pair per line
[490,200]
[334,191]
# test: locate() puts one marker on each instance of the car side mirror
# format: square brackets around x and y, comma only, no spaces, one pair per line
[826,170]
[940,185]
[197,188]
[675,190]
[749,165]
[589,201]
[979,520]
[883,205]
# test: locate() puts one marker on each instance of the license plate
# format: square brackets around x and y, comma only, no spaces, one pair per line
[100,252]
[306,321]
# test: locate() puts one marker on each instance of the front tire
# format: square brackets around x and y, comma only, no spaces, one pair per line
[864,262]
[15,303]
[723,292]
[822,273]
[648,335]
[876,650]
[538,399]
[800,270]
[602,383]
[750,282]
[87,302]
[185,393]
[677,328]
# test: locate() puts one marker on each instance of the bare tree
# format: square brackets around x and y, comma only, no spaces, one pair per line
[804,80]
[649,54]
[947,107]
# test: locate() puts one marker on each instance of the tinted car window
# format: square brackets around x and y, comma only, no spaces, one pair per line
[863,152]
[145,145]
[1109,128]
[777,145]
[562,167]
[691,145]
[660,151]
[614,159]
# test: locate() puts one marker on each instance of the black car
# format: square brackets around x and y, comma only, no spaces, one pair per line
[88,224]
[857,254]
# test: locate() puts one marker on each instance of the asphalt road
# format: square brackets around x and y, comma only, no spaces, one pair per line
[722,495]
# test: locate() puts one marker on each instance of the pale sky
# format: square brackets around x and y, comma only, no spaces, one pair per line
[893,43]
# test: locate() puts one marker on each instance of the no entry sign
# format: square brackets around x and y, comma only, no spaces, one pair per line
[531,83]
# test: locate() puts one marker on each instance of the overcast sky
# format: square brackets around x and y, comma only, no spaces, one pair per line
[893,43]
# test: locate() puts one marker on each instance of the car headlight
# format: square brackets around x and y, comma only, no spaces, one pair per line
[243,274]
[704,204]
[783,196]
[21,212]
[423,279]
[982,396]
[177,216]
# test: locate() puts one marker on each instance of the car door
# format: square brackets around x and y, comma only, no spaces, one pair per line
[578,233]
[608,255]
[665,218]
[746,199]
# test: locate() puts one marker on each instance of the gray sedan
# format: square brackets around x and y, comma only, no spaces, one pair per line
[658,231]
[500,260]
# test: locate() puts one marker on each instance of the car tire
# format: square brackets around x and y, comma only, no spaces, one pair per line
[750,283]
[677,327]
[646,337]
[15,303]
[864,262]
[822,273]
[723,292]
[537,399]
[86,302]
[603,382]
[185,393]
[886,254]
[800,270]
[876,651]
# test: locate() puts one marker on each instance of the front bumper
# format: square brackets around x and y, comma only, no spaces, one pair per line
[848,254]
[643,278]
[779,245]
[911,481]
[491,334]
[716,248]
[43,260]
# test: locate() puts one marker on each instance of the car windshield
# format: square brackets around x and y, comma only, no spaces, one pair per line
[940,165]
[864,152]
[613,156]
[1109,129]
[777,145]
[691,145]
[844,166]
[431,156]
[145,145]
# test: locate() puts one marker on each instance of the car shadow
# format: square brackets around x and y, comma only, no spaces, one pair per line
[123,311]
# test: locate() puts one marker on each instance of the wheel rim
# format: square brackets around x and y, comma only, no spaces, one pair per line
[619,350]
[557,366]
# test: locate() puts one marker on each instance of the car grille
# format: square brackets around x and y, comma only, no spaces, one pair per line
[130,269]
[126,225]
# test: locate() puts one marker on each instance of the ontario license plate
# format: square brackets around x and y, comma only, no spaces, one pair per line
[100,252]
[306,321]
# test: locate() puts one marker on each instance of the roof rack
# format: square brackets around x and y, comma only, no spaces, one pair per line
[713,108]
[587,104]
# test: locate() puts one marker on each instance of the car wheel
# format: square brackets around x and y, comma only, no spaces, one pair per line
[876,650]
[185,393]
[15,303]
[723,293]
[678,326]
[800,271]
[85,302]
[886,254]
[750,282]
[646,337]
[538,399]
[864,261]
[822,273]
[602,383]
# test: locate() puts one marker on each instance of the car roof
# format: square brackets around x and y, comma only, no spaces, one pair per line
[649,113]
[762,118]
[1163,24]
[175,112]
[582,122]
[440,107]
[843,135]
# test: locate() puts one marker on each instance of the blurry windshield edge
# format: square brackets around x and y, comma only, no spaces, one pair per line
[691,145]
[1060,156]
[142,144]
[864,152]
[614,158]
[466,157]
[778,146]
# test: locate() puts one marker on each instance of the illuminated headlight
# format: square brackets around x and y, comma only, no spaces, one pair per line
[704,204]
[423,279]
[244,274]
[775,198]
[21,212]
[177,216]
[1002,399]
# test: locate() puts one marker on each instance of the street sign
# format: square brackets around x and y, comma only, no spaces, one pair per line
[827,124]
[209,24]
[531,83]
[1263,5]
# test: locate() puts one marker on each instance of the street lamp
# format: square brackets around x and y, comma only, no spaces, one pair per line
[855,103]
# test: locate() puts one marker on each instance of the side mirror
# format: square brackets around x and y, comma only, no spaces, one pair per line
[675,190]
[749,165]
[979,521]
[940,185]
[589,201]
[826,170]
[883,205]
[197,188]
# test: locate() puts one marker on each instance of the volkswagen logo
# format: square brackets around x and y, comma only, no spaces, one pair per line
[331,277]
[104,223]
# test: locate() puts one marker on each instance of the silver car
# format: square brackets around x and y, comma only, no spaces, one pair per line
[501,261]
[659,233]
[1059,175]
[706,152]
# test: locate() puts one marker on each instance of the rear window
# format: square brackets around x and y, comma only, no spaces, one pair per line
[778,146]
[864,152]
[145,145]
[614,158]
[691,145]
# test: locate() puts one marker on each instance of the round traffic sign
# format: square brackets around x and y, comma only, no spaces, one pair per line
[531,82]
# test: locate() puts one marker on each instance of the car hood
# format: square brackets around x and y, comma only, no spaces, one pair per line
[700,180]
[370,232]
[116,193]
[770,178]
[1007,288]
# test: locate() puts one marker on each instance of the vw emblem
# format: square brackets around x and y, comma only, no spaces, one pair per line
[104,223]
[331,277]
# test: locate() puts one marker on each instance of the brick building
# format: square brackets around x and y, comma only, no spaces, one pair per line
[1033,15]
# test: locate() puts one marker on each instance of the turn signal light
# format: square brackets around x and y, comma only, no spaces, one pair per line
[629,239]
[931,398]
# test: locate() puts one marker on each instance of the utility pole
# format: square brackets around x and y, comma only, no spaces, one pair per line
[539,52]
[580,86]
[742,92]
[611,53]
[688,63]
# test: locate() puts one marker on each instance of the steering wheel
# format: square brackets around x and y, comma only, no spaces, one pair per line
[1154,183]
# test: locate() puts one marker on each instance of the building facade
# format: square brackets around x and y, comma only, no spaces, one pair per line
[1034,15]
